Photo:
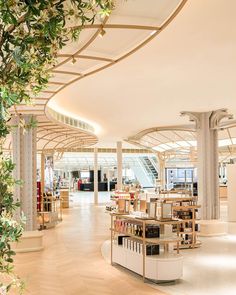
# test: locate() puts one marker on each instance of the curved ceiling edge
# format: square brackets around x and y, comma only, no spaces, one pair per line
[155,30]
[52,133]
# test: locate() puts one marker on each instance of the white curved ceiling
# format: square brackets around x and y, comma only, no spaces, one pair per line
[189,66]
[131,25]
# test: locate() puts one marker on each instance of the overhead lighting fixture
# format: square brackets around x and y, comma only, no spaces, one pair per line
[153,32]
[102,33]
[73,61]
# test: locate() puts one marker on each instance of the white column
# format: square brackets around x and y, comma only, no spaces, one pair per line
[231,192]
[208,175]
[108,179]
[42,172]
[207,124]
[161,172]
[95,176]
[24,156]
[119,165]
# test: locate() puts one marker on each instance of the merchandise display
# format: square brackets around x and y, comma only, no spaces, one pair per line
[186,209]
[49,212]
[165,207]
[125,201]
[146,247]
[64,197]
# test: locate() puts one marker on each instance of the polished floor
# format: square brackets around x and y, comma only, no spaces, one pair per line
[72,264]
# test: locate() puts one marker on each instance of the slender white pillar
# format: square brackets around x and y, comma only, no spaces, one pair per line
[95,176]
[108,179]
[119,165]
[207,124]
[42,172]
[231,191]
[161,172]
[24,156]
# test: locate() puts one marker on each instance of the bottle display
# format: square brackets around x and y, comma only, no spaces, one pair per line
[129,227]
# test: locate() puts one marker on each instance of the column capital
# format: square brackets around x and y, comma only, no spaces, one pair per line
[193,117]
[215,117]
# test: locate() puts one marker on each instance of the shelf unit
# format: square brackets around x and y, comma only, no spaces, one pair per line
[51,213]
[127,201]
[185,209]
[64,196]
[159,267]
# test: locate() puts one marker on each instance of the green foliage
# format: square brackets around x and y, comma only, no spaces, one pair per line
[31,34]
[10,229]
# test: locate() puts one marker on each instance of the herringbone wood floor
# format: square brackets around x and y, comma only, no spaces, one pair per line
[71,263]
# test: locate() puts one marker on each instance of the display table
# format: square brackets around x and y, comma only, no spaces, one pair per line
[146,246]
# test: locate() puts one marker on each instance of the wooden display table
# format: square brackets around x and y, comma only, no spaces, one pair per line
[64,195]
[164,264]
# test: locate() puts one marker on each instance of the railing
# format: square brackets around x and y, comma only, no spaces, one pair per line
[150,169]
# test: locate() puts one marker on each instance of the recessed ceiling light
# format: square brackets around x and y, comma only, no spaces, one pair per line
[73,61]
[102,33]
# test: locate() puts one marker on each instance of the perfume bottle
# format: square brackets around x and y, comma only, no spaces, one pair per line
[141,232]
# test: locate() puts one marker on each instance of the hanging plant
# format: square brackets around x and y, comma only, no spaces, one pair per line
[31,34]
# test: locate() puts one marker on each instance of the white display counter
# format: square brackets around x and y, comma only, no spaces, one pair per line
[163,267]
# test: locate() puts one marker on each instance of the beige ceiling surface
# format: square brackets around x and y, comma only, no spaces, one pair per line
[189,66]
[101,45]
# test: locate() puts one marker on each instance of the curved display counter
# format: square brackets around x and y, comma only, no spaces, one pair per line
[164,267]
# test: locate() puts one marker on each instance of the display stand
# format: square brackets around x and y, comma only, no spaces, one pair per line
[125,201]
[64,196]
[51,213]
[166,265]
[189,226]
[185,209]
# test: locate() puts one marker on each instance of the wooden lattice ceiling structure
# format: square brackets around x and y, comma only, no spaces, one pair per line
[180,142]
[103,44]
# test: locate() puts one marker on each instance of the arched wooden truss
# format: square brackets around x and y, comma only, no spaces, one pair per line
[156,136]
[130,29]
[178,142]
[52,136]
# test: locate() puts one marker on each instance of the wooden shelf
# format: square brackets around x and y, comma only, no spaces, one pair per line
[147,221]
[186,207]
[161,240]
[181,199]
[188,246]
[185,232]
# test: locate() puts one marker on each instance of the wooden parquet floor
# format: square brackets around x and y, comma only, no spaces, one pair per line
[72,264]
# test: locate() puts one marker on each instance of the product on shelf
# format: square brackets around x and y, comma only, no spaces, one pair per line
[187,210]
[136,246]
[146,246]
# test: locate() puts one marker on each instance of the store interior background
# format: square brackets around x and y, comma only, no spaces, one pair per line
[189,66]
